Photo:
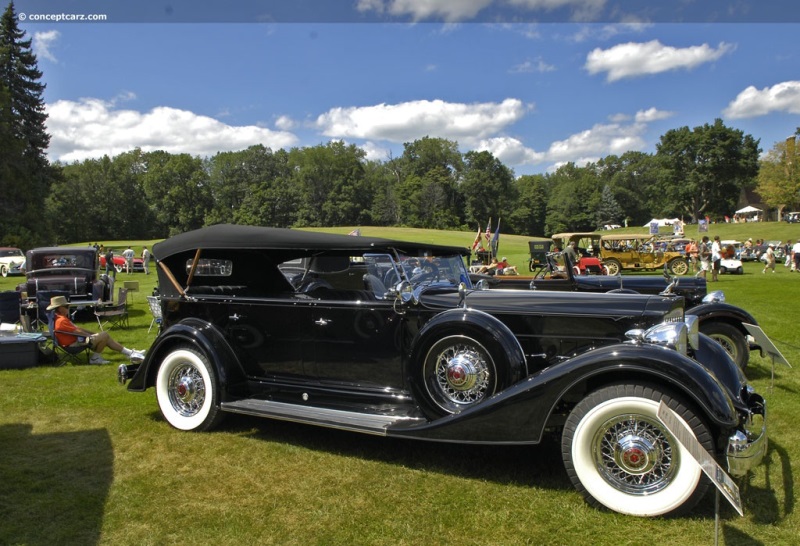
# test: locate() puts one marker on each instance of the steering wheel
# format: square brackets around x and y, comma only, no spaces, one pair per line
[429,270]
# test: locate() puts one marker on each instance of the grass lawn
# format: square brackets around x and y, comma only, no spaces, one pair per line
[83,461]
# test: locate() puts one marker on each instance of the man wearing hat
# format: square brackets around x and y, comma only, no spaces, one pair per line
[769,258]
[68,334]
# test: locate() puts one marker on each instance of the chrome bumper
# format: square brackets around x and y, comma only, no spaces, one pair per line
[746,449]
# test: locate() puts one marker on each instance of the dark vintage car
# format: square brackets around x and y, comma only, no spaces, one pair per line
[719,320]
[70,270]
[390,338]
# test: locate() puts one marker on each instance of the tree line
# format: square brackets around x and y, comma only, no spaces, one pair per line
[153,194]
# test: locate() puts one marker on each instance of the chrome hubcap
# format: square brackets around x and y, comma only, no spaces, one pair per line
[462,375]
[634,454]
[186,390]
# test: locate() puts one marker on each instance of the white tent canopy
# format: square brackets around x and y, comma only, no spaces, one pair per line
[747,210]
[663,222]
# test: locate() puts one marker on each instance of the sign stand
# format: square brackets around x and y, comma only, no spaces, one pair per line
[767,346]
[723,482]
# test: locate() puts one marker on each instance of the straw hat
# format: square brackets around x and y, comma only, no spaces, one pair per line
[56,302]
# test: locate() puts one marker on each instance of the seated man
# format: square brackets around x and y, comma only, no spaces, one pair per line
[67,334]
[504,269]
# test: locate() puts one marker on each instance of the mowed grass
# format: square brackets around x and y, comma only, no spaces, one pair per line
[83,461]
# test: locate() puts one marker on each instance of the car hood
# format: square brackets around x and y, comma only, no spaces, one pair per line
[541,302]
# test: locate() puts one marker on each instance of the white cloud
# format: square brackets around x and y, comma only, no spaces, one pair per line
[752,102]
[285,123]
[580,148]
[636,59]
[652,114]
[530,66]
[91,128]
[463,10]
[416,119]
[42,44]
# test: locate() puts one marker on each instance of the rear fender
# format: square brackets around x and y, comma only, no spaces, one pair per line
[203,336]
[476,323]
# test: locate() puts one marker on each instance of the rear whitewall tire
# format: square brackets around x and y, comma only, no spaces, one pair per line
[187,391]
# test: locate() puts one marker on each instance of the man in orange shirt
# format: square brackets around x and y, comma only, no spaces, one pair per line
[68,334]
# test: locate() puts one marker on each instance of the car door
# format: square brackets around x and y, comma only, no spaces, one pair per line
[357,344]
[271,336]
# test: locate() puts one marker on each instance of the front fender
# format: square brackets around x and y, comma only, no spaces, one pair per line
[522,412]
[736,315]
[198,333]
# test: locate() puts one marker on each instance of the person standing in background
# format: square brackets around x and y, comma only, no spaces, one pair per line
[145,260]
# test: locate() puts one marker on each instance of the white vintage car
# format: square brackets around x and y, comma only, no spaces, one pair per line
[12,261]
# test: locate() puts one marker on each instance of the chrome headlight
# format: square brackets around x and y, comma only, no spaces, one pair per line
[693,331]
[717,296]
[673,335]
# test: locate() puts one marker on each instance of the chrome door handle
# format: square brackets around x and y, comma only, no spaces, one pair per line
[322,322]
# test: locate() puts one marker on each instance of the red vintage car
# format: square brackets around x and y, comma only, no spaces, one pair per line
[119,263]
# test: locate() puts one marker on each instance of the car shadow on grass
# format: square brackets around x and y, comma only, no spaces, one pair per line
[53,486]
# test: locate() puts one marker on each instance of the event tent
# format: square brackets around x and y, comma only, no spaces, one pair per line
[747,210]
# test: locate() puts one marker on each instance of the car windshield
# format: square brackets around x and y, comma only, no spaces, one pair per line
[11,253]
[420,271]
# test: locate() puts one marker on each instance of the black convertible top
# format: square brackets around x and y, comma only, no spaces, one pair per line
[230,236]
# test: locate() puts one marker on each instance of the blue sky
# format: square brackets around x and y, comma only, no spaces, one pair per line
[536,94]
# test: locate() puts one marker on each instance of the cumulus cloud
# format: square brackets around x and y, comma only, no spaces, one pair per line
[637,59]
[580,148]
[91,128]
[411,120]
[43,43]
[752,102]
[652,114]
[464,10]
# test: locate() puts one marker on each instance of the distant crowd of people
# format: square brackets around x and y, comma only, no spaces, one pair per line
[707,255]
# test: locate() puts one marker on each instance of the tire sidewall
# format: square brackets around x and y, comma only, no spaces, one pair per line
[201,420]
[591,416]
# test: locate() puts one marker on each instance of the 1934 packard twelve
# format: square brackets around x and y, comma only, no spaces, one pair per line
[390,338]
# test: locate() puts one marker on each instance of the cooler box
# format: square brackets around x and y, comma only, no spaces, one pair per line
[19,350]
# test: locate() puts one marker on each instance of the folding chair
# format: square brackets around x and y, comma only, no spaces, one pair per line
[155,309]
[9,306]
[67,353]
[42,301]
[114,314]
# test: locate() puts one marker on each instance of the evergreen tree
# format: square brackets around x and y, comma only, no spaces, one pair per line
[27,175]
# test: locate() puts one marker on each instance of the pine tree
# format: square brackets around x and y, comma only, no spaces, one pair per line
[26,174]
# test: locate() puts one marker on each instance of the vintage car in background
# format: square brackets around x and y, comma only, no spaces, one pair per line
[119,263]
[720,321]
[68,270]
[12,261]
[639,253]
[587,247]
[390,338]
[731,261]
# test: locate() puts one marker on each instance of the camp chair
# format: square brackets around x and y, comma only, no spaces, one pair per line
[113,315]
[155,309]
[67,353]
[9,307]
[43,298]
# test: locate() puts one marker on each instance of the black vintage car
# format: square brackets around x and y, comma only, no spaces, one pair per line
[719,320]
[71,271]
[390,338]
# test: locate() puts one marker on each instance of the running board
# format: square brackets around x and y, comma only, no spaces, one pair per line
[332,418]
